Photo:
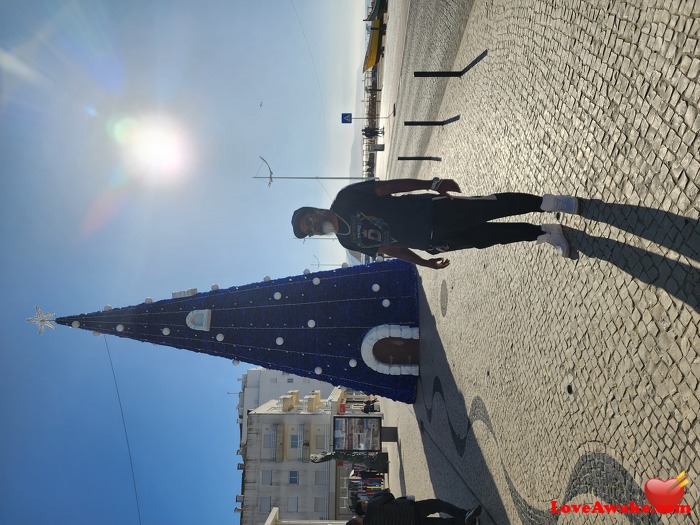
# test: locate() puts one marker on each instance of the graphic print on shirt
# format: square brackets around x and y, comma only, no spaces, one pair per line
[370,232]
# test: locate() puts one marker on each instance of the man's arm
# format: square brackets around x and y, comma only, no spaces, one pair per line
[387,187]
[382,497]
[411,256]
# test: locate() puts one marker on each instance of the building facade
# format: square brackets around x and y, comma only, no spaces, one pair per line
[277,471]
[259,385]
[282,435]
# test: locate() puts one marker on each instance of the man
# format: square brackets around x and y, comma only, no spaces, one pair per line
[384,509]
[369,405]
[369,218]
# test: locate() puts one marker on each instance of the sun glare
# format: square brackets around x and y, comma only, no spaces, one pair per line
[156,148]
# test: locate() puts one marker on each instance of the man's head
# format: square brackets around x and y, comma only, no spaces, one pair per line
[309,221]
[361,507]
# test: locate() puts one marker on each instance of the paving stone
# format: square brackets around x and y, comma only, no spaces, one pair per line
[596,100]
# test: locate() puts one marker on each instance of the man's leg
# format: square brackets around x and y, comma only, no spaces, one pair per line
[426,507]
[486,235]
[466,212]
[493,233]
[441,521]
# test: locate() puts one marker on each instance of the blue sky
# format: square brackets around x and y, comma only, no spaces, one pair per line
[94,213]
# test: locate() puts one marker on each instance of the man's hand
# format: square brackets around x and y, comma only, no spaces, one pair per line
[389,187]
[410,256]
[445,185]
[438,263]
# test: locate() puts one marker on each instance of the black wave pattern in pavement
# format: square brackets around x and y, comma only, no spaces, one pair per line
[595,473]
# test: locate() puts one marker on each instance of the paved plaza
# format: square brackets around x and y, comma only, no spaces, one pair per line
[544,378]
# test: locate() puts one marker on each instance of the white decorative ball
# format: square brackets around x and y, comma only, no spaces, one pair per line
[75,324]
[120,328]
[379,259]
[307,271]
[316,281]
[214,287]
[166,331]
[219,337]
[96,334]
[107,308]
[266,278]
[235,362]
[279,340]
[386,303]
[318,370]
[353,363]
[344,265]
[277,296]
[375,287]
[148,300]
[311,323]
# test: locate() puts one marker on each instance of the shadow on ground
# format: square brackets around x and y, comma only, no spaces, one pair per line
[457,468]
[680,235]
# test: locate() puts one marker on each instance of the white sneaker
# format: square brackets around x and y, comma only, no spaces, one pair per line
[554,235]
[562,203]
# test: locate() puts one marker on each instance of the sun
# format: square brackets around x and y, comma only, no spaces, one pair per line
[156,148]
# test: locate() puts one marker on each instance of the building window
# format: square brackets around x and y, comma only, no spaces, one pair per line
[319,504]
[321,442]
[266,477]
[293,477]
[265,503]
[268,441]
[296,441]
[321,477]
[290,380]
[273,380]
[293,504]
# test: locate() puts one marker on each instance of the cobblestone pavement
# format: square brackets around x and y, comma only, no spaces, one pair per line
[545,378]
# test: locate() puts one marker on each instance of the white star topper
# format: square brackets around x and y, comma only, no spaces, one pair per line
[42,320]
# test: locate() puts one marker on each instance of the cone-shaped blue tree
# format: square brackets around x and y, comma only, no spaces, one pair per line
[352,327]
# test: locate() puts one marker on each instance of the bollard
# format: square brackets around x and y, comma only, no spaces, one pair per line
[451,73]
[431,122]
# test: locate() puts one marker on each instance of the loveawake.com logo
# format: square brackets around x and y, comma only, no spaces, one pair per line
[664,498]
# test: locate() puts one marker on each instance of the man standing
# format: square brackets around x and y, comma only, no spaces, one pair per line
[384,509]
[370,218]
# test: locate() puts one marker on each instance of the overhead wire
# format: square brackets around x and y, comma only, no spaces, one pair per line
[126,435]
[320,92]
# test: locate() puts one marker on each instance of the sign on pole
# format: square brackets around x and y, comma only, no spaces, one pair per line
[346,118]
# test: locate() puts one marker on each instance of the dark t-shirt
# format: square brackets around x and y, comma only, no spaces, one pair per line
[384,509]
[401,221]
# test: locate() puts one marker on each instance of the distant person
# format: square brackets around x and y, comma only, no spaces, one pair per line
[372,132]
[369,405]
[384,509]
[369,218]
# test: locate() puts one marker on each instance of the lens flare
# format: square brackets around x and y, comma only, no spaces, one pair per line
[156,148]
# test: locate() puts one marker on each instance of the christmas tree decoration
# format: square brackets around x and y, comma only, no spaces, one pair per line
[42,320]
[355,327]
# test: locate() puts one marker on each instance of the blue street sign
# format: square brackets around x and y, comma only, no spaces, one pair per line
[346,118]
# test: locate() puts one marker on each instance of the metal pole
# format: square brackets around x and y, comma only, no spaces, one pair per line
[338,178]
[452,73]
[368,118]
[431,122]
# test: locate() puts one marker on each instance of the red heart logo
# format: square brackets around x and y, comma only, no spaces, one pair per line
[663,495]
